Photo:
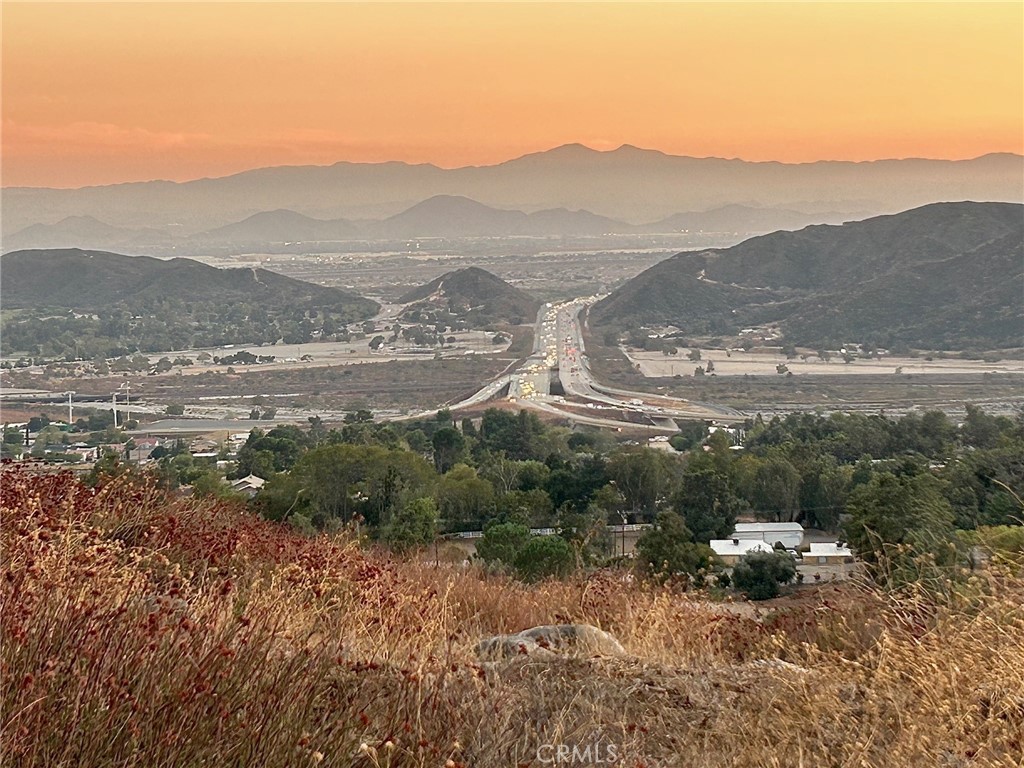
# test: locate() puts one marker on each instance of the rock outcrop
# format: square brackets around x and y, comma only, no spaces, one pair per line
[551,641]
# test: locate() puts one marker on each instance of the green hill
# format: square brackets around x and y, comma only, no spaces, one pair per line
[945,276]
[98,301]
[473,295]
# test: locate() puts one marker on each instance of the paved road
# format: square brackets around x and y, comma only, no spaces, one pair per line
[558,349]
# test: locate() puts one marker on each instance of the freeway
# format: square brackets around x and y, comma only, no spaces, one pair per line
[559,354]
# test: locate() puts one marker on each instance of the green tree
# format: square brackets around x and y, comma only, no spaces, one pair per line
[502,543]
[531,507]
[413,526]
[449,445]
[464,499]
[902,527]
[776,490]
[641,476]
[544,557]
[706,503]
[979,429]
[760,574]
[667,550]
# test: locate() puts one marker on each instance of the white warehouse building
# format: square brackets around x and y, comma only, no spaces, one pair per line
[791,535]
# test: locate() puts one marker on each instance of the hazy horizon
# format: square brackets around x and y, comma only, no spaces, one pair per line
[574,144]
[95,93]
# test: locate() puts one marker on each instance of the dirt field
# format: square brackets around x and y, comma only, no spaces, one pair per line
[757,363]
[826,389]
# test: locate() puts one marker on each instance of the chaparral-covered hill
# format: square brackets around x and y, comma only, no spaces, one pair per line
[470,294]
[117,303]
[943,276]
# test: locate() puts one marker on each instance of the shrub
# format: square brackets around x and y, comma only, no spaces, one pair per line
[759,574]
[543,557]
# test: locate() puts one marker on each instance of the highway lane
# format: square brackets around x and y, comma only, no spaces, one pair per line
[558,350]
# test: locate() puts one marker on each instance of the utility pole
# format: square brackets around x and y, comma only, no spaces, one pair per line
[71,410]
[113,400]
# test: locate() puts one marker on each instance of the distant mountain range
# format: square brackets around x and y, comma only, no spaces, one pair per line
[628,185]
[471,294]
[943,276]
[442,216]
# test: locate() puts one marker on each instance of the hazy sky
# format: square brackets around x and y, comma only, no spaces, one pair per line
[100,93]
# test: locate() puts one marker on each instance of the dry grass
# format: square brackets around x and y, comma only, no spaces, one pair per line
[142,630]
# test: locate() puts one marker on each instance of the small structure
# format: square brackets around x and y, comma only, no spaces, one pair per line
[790,535]
[729,551]
[249,485]
[828,553]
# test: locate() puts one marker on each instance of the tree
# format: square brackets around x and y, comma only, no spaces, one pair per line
[776,490]
[544,557]
[448,444]
[463,498]
[641,476]
[502,543]
[586,532]
[413,526]
[667,550]
[902,527]
[175,409]
[531,507]
[706,503]
[694,355]
[979,429]
[759,574]
[691,434]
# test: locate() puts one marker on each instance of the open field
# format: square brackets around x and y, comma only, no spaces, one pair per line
[393,385]
[736,362]
[332,353]
[773,393]
[548,268]
[140,628]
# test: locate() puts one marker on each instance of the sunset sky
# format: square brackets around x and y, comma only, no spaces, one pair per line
[102,93]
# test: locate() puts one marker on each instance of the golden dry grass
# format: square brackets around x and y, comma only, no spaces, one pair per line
[148,631]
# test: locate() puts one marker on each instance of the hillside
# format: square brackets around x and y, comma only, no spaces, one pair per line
[114,301]
[206,631]
[280,226]
[80,232]
[471,294]
[627,184]
[456,216]
[744,219]
[943,276]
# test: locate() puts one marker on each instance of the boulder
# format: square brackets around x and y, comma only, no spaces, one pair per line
[551,641]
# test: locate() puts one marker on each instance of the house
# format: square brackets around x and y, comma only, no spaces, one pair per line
[729,551]
[791,535]
[828,553]
[249,485]
[83,451]
[203,446]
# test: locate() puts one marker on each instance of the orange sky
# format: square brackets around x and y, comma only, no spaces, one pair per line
[100,93]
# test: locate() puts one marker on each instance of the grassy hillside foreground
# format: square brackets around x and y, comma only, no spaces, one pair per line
[143,630]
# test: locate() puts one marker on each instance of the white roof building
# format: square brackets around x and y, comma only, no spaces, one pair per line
[248,485]
[828,549]
[790,534]
[731,550]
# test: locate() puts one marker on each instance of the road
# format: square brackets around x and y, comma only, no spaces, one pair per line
[559,351]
